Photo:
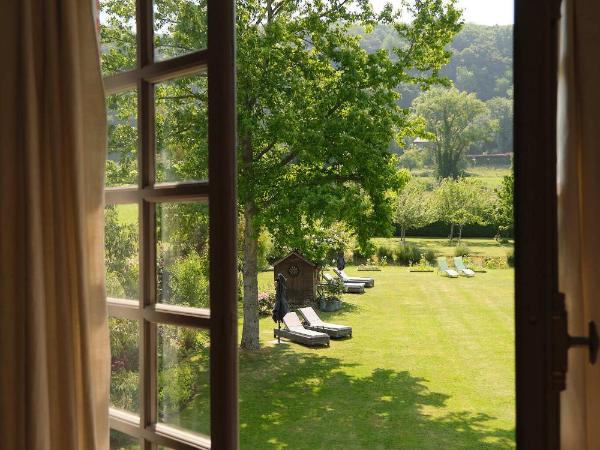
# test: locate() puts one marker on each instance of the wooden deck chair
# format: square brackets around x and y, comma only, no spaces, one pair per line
[314,322]
[444,269]
[295,331]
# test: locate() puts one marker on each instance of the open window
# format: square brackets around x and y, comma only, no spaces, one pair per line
[151,196]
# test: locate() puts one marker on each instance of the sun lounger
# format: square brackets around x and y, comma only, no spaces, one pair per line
[353,288]
[368,282]
[314,322]
[460,267]
[444,269]
[295,331]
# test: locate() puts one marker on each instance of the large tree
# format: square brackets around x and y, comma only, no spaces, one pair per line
[456,120]
[316,114]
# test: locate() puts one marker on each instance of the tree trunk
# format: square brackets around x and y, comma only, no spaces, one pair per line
[451,233]
[250,276]
[403,235]
[460,227]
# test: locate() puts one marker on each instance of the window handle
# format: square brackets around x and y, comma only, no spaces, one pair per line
[590,341]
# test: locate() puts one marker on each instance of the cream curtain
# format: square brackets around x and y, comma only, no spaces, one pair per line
[579,211]
[54,349]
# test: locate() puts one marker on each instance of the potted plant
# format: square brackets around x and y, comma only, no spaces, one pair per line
[330,298]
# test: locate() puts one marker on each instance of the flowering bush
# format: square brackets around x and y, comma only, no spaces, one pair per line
[265,303]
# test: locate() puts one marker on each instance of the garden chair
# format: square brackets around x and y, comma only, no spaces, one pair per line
[460,267]
[352,288]
[368,282]
[314,322]
[444,269]
[295,331]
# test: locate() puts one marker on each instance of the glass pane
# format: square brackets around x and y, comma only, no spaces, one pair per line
[125,368]
[121,441]
[121,251]
[182,129]
[117,35]
[180,27]
[183,378]
[182,254]
[121,159]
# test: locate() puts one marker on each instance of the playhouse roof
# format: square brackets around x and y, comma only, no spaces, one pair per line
[298,255]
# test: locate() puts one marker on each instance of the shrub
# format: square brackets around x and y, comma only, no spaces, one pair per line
[423,264]
[188,283]
[385,252]
[408,254]
[333,288]
[359,256]
[462,250]
[265,303]
[496,262]
[510,258]
[430,257]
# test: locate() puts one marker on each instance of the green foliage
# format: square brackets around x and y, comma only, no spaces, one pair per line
[333,288]
[124,381]
[430,257]
[510,258]
[462,250]
[495,262]
[408,254]
[121,256]
[316,112]
[266,300]
[188,282]
[461,202]
[423,264]
[501,108]
[361,255]
[183,368]
[502,214]
[264,250]
[414,207]
[385,252]
[456,120]
[481,58]
[415,158]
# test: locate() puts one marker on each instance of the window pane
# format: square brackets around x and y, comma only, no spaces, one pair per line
[179,27]
[117,35]
[182,254]
[125,369]
[121,251]
[121,441]
[183,378]
[121,159]
[182,129]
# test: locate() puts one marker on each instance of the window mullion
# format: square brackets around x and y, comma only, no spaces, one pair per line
[146,158]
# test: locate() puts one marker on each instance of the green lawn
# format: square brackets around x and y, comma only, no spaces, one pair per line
[477,246]
[490,176]
[430,366]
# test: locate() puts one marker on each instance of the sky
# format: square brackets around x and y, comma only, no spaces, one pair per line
[484,12]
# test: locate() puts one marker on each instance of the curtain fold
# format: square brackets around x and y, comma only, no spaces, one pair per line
[579,212]
[54,348]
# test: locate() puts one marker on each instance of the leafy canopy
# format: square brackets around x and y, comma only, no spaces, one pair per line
[414,207]
[456,120]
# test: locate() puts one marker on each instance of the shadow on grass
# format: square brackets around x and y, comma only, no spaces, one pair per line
[299,401]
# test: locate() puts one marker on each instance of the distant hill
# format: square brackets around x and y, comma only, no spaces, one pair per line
[481,59]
